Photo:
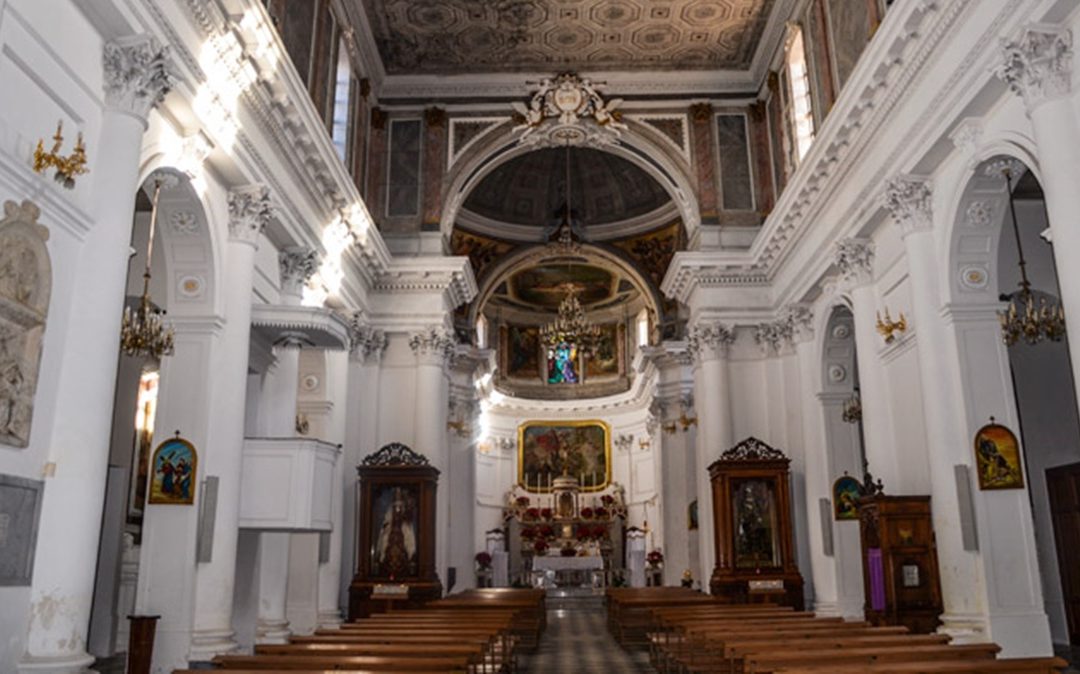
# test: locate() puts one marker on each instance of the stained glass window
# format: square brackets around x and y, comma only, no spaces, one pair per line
[563,364]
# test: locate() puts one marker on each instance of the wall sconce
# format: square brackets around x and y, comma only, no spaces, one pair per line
[302,424]
[459,427]
[686,422]
[668,428]
[888,327]
[644,444]
[66,167]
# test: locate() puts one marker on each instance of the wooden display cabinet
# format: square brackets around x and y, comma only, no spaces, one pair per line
[395,538]
[900,566]
[755,548]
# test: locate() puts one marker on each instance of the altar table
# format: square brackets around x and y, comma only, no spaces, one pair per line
[567,570]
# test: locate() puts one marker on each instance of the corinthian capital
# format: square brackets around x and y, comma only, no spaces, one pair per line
[855,259]
[250,210]
[709,341]
[774,336]
[1038,66]
[432,344]
[137,74]
[297,266]
[907,199]
[365,342]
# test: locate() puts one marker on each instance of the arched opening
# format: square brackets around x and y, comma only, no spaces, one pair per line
[181,283]
[1032,390]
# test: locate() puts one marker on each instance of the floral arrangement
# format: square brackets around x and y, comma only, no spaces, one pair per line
[532,514]
[546,531]
[522,501]
[483,559]
[545,513]
[608,500]
[586,513]
[540,546]
[528,533]
[601,513]
[568,551]
[655,558]
[599,532]
[583,532]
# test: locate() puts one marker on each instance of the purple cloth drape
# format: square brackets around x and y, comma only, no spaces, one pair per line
[877,579]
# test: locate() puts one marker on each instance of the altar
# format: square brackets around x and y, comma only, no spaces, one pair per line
[563,571]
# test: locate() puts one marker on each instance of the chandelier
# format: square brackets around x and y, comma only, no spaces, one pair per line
[142,332]
[1027,316]
[571,326]
[852,412]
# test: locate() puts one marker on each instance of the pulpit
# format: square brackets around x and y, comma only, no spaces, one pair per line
[395,540]
[755,546]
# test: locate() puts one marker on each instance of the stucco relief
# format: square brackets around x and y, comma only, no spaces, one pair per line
[25,284]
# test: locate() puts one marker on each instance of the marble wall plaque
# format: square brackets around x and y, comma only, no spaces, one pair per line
[736,183]
[403,192]
[20,508]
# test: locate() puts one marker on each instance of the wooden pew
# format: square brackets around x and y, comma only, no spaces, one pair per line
[375,663]
[1002,666]
[761,663]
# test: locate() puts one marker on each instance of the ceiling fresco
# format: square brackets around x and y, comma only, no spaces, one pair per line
[545,286]
[469,36]
[531,189]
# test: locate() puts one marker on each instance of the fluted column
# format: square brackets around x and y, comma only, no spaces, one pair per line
[249,212]
[1038,68]
[1018,623]
[854,258]
[136,80]
[708,343]
[432,348]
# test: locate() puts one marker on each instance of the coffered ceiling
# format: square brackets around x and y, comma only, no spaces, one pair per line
[419,37]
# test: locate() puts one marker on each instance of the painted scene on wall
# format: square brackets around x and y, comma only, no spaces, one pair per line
[845,496]
[173,473]
[395,519]
[547,450]
[997,458]
[605,359]
[523,351]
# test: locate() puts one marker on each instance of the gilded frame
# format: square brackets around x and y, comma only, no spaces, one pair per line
[545,489]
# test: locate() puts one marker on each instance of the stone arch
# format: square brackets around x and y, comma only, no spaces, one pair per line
[500,145]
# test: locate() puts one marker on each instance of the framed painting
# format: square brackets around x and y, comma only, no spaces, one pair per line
[845,498]
[523,351]
[754,514]
[997,458]
[548,449]
[605,360]
[20,511]
[396,526]
[174,469]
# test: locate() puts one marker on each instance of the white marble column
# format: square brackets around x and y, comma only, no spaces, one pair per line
[854,259]
[366,347]
[432,348]
[273,624]
[976,604]
[708,343]
[330,570]
[1038,68]
[676,458]
[70,524]
[249,212]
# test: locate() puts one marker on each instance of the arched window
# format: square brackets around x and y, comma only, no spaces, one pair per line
[481,332]
[800,114]
[643,327]
[339,129]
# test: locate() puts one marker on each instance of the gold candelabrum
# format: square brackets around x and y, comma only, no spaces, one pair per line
[686,422]
[888,327]
[460,427]
[571,325]
[67,167]
[669,428]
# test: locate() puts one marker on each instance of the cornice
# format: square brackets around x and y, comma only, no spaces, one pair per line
[690,270]
[319,326]
[452,275]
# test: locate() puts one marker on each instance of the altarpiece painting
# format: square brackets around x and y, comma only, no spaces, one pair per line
[549,449]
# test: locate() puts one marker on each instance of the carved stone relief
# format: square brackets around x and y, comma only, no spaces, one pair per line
[25,285]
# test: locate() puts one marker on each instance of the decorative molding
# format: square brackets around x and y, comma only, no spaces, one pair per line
[313,327]
[465,132]
[800,318]
[183,223]
[568,110]
[855,259]
[979,214]
[1038,66]
[673,128]
[432,343]
[709,341]
[908,200]
[250,209]
[772,336]
[393,455]
[752,449]
[297,264]
[137,74]
[366,344]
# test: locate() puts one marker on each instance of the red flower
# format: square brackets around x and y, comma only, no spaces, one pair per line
[607,499]
[540,546]
[655,558]
[583,532]
[528,533]
[586,513]
[547,531]
[483,559]
[523,500]
[545,513]
[532,513]
[599,531]
[602,513]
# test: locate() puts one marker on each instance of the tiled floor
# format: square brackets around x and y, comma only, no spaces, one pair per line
[577,640]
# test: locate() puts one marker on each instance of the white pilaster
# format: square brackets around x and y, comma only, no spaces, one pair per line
[63,579]
[708,343]
[249,212]
[273,624]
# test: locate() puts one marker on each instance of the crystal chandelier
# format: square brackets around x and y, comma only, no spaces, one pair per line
[571,325]
[852,412]
[142,332]
[1027,316]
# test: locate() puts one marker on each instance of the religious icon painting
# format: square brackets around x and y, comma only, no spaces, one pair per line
[394,531]
[551,449]
[997,458]
[173,473]
[845,496]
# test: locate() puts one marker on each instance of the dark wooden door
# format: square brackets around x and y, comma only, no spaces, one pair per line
[1063,487]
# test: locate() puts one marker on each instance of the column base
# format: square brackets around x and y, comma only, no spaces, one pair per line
[205,644]
[77,663]
[272,632]
[329,620]
[1022,634]
[965,628]
[839,609]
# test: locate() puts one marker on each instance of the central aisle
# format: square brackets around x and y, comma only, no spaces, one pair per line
[577,640]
